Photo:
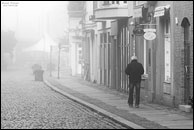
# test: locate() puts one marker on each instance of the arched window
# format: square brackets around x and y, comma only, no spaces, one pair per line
[185,24]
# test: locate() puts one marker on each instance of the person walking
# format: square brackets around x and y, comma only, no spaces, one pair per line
[134,70]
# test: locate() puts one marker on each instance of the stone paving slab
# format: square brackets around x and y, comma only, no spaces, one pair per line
[144,111]
[112,116]
[26,104]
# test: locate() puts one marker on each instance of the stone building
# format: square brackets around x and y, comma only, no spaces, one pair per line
[159,33]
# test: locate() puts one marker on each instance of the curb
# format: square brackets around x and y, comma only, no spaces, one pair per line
[99,110]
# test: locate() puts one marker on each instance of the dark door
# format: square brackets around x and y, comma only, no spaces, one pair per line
[185,25]
[187,69]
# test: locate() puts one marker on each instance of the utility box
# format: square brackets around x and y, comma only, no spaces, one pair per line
[38,75]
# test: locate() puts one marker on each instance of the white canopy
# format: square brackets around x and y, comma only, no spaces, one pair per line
[43,45]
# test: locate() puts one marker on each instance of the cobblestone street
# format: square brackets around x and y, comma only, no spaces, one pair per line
[29,104]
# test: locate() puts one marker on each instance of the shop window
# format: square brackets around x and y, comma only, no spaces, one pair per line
[105,38]
[109,37]
[167,51]
[101,37]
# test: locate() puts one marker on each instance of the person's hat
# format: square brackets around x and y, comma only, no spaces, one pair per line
[134,58]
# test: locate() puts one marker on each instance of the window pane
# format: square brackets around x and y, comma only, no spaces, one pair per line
[105,38]
[167,59]
[109,37]
[101,38]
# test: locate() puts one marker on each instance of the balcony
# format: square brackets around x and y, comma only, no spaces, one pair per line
[111,10]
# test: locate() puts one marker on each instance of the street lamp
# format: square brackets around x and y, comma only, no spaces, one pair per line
[50,60]
[59,53]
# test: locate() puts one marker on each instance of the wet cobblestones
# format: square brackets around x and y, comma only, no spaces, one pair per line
[26,104]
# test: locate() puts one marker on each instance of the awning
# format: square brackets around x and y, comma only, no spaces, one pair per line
[43,45]
[160,11]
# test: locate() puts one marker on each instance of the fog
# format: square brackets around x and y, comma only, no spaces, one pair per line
[28,31]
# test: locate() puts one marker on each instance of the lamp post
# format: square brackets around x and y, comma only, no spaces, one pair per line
[59,53]
[51,61]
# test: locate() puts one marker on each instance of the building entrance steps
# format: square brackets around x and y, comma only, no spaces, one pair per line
[114,104]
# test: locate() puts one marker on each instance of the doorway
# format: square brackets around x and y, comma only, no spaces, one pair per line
[185,24]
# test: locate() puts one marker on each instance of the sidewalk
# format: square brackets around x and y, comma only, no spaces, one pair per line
[114,104]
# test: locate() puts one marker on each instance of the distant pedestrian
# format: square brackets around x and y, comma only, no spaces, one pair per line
[134,70]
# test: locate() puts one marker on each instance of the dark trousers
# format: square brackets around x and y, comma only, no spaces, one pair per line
[137,94]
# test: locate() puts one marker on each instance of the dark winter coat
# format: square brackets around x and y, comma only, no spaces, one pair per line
[134,70]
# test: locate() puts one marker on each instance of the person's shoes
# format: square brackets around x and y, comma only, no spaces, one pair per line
[130,105]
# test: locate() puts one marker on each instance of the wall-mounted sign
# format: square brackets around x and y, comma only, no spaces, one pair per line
[160,11]
[149,35]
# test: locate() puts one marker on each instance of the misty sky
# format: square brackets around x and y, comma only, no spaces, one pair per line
[32,19]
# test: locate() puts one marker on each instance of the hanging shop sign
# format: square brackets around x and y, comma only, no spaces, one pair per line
[149,34]
[160,11]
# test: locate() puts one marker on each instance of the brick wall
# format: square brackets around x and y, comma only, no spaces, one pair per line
[182,9]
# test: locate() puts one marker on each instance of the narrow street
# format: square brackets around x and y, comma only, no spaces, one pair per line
[97,65]
[28,104]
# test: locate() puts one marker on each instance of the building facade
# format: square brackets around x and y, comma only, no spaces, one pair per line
[167,59]
[183,50]
[89,43]
[75,12]
[159,33]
